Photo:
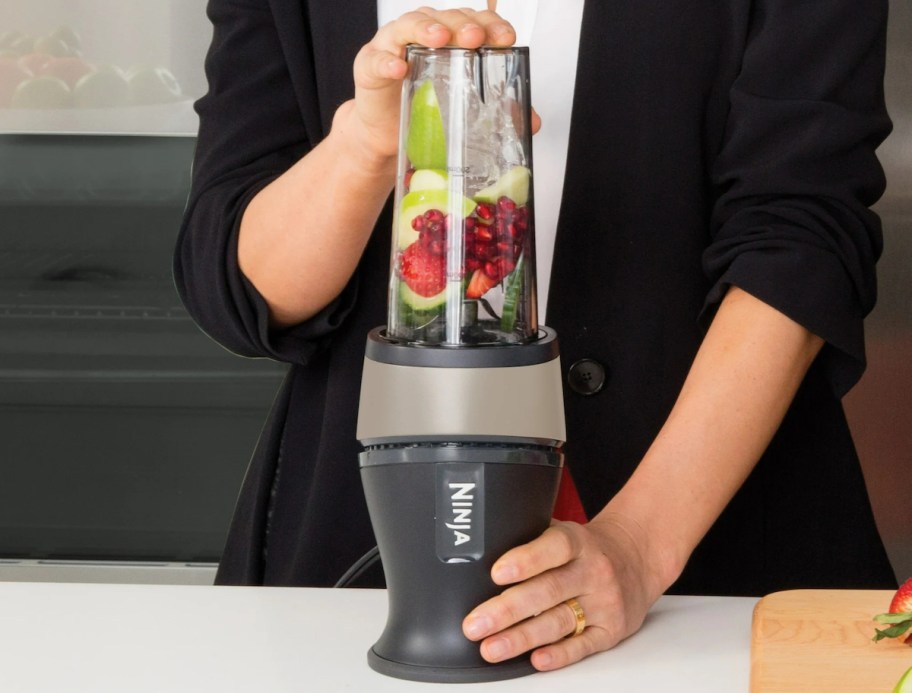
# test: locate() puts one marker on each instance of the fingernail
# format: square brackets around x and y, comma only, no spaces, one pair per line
[504,573]
[497,649]
[478,626]
[434,28]
[542,660]
[500,30]
[468,27]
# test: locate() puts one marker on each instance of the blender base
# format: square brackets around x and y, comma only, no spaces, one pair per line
[510,669]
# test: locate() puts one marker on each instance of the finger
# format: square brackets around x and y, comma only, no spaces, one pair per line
[429,27]
[516,604]
[498,31]
[381,62]
[558,545]
[423,27]
[375,69]
[573,649]
[536,121]
[471,28]
[546,628]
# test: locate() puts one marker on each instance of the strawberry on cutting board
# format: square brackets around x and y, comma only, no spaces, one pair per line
[899,617]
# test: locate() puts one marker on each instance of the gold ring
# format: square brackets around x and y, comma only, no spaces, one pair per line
[579,614]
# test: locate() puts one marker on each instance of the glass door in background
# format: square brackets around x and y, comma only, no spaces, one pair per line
[124,431]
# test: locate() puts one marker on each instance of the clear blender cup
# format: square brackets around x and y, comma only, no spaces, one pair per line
[463,251]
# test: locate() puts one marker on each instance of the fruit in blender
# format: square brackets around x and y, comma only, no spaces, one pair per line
[428,179]
[423,275]
[419,202]
[514,185]
[425,142]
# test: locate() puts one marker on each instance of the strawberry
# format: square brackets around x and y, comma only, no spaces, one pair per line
[899,617]
[424,272]
[479,284]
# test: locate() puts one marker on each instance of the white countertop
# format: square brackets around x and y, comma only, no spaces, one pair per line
[137,638]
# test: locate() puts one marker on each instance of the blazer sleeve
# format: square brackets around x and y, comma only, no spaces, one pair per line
[797,172]
[252,129]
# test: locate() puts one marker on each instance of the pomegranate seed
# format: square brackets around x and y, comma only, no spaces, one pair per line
[418,223]
[433,215]
[435,228]
[485,212]
[514,230]
[471,264]
[469,223]
[506,204]
[505,247]
[492,271]
[484,234]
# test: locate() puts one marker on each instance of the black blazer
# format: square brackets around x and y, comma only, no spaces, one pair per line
[712,143]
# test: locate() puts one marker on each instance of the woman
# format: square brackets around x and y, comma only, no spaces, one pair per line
[714,258]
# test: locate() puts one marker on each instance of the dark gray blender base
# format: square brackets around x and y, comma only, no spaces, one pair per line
[511,669]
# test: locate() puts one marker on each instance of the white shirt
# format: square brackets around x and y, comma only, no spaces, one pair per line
[551,30]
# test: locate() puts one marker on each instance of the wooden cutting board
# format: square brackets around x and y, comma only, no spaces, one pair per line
[820,641]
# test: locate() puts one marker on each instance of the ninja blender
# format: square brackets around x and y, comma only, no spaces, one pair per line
[461,412]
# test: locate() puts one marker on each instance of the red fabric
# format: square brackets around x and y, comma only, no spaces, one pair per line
[568,505]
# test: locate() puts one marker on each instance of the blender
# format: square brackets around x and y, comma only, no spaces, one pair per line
[461,411]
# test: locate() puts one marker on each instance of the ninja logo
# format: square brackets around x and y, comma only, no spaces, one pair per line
[462,502]
[459,512]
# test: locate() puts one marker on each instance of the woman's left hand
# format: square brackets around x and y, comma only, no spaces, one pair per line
[603,565]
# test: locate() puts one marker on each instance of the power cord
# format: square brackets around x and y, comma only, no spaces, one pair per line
[359,567]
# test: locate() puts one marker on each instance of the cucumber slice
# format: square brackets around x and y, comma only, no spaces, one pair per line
[511,296]
[417,302]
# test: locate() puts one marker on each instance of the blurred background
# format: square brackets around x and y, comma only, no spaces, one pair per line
[880,407]
[125,432]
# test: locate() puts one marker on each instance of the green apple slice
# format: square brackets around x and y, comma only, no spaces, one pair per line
[429,179]
[417,203]
[514,184]
[425,142]
[904,685]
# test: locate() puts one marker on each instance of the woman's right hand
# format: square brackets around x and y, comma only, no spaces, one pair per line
[297,261]
[380,67]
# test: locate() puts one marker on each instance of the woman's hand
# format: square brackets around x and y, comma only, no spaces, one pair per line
[742,380]
[604,565]
[380,66]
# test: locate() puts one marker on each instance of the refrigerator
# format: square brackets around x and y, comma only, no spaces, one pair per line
[124,430]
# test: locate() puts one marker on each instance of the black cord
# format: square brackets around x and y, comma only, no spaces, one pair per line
[358,568]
